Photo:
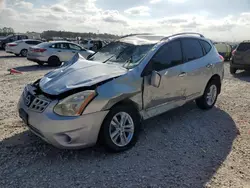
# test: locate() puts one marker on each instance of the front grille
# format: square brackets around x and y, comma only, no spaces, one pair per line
[33,102]
[39,105]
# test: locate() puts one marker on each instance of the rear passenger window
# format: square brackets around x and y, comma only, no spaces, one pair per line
[206,46]
[168,56]
[243,47]
[28,42]
[191,49]
[36,42]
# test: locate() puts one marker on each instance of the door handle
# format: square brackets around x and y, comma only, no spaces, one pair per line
[59,51]
[73,52]
[209,65]
[182,74]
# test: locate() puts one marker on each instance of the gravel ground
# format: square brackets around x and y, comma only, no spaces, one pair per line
[185,147]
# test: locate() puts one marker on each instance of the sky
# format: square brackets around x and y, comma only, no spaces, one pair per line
[216,19]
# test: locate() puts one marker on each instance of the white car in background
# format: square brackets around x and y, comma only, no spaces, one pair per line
[54,53]
[21,47]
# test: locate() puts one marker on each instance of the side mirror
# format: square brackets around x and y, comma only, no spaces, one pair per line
[155,79]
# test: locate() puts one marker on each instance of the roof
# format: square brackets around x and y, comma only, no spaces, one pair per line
[140,39]
[30,40]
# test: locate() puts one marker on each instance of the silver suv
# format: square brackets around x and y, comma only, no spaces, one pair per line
[106,97]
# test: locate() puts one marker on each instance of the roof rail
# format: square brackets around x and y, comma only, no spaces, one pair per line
[185,33]
[135,34]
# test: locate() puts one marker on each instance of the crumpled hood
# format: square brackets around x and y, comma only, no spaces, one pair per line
[77,73]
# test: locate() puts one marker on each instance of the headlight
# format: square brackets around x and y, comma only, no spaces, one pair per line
[74,104]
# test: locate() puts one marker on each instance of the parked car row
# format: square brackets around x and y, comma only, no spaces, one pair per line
[54,53]
[20,47]
[11,38]
[105,97]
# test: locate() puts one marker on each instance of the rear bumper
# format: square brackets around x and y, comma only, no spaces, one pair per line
[11,51]
[239,66]
[37,58]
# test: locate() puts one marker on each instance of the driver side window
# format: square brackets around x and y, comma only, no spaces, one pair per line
[168,55]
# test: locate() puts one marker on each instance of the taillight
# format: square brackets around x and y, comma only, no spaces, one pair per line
[12,44]
[221,57]
[39,50]
[233,52]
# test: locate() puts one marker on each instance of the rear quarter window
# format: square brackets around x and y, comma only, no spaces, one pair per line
[207,47]
[243,47]
[29,42]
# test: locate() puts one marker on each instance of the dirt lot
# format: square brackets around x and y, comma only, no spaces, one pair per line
[186,147]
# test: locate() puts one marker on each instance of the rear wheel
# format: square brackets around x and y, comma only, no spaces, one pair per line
[233,70]
[54,61]
[24,52]
[120,128]
[4,46]
[209,97]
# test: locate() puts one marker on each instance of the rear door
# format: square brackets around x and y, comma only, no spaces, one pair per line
[242,54]
[197,67]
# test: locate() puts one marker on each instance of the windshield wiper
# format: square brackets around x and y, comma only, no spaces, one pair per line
[115,55]
[108,59]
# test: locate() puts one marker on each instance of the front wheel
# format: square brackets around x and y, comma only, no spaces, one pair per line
[120,128]
[209,97]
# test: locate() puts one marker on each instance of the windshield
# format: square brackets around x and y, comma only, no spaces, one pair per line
[128,55]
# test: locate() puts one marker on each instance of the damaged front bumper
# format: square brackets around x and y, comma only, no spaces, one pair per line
[61,131]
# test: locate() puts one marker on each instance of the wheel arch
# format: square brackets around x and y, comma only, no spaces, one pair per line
[124,102]
[217,79]
[54,56]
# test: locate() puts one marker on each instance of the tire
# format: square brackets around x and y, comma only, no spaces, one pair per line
[54,61]
[203,102]
[233,70]
[133,118]
[24,52]
[3,46]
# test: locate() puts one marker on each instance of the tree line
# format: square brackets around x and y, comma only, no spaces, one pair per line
[67,34]
[62,34]
[6,31]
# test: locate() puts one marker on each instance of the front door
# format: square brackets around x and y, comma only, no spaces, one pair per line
[63,51]
[167,62]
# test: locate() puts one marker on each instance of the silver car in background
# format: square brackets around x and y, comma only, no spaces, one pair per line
[54,53]
[106,97]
